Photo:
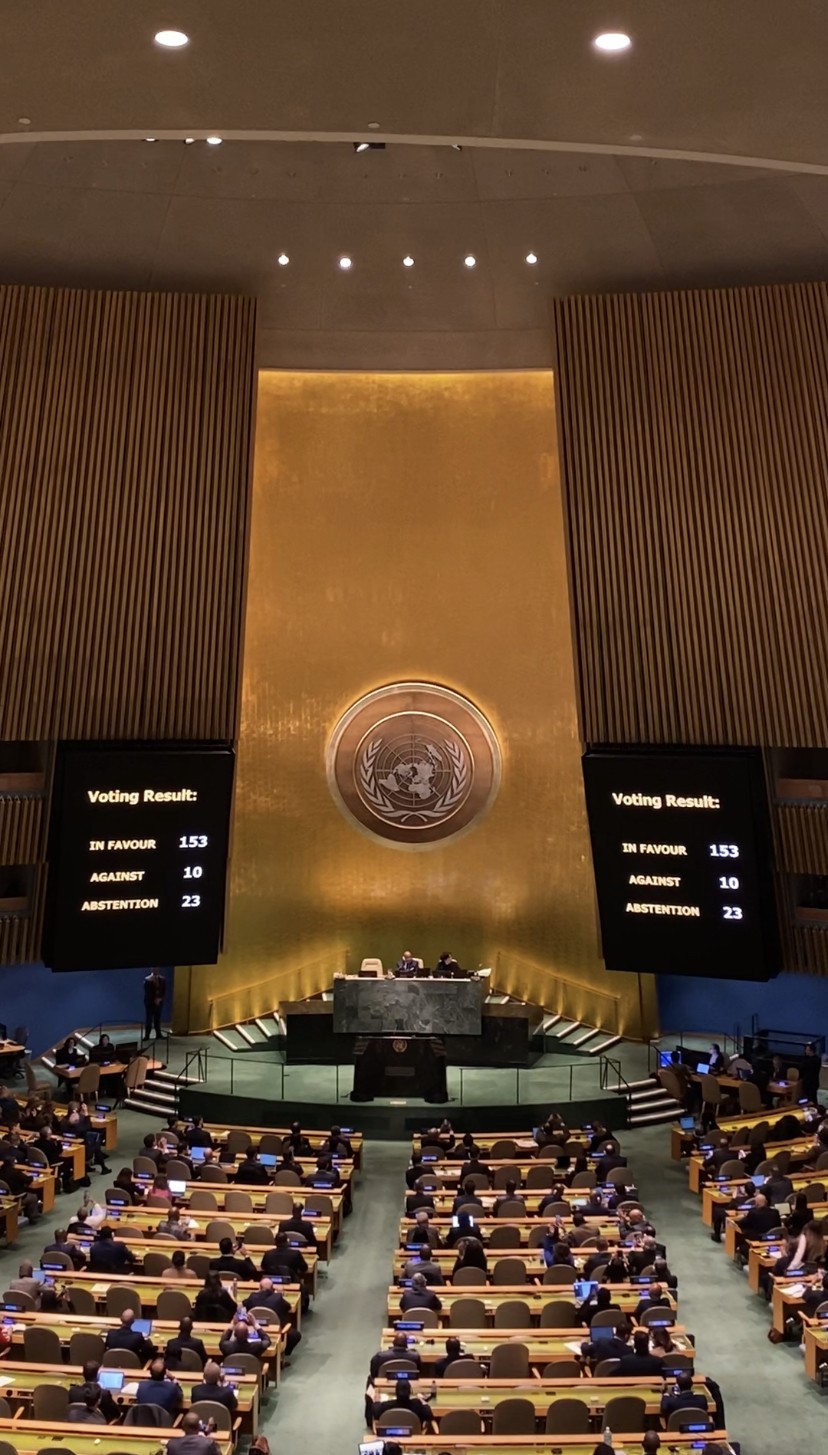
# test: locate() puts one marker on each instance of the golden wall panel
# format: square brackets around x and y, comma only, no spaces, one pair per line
[803,838]
[408,527]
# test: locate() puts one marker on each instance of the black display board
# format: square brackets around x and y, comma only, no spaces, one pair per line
[137,856]
[683,866]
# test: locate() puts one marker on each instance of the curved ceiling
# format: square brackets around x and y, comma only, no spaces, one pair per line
[595,164]
[707,78]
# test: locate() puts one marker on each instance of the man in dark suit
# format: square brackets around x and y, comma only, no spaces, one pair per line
[778,1187]
[403,1399]
[415,1171]
[454,1350]
[720,1154]
[474,1168]
[296,1223]
[399,1350]
[611,1159]
[422,1231]
[123,1336]
[655,1298]
[324,1172]
[268,1296]
[617,1347]
[215,1389]
[758,1219]
[184,1339]
[466,1196]
[509,1194]
[62,1245]
[155,988]
[683,1398]
[196,1135]
[284,1260]
[424,1263]
[597,1259]
[107,1404]
[640,1361]
[230,1260]
[250,1172]
[109,1255]
[640,1258]
[416,1200]
[419,1295]
[240,1338]
[160,1389]
[742,1198]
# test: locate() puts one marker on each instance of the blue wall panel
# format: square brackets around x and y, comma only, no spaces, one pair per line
[52,1005]
[788,1003]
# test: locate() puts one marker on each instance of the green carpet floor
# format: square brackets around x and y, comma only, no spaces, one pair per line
[770,1406]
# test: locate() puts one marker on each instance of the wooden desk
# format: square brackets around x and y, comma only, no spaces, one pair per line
[219,1131]
[466,1394]
[146,1220]
[800,1148]
[714,1193]
[532,1197]
[18,1381]
[524,1142]
[544,1444]
[816,1345]
[10,1219]
[449,1171]
[29,1437]
[544,1345]
[140,1246]
[787,1298]
[65,1325]
[679,1140]
[258,1196]
[106,1122]
[526,1226]
[490,1295]
[150,1288]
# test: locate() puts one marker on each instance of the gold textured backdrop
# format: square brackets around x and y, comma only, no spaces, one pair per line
[408,526]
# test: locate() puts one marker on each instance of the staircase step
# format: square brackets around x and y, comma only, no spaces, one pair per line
[229,1039]
[562,1033]
[173,1078]
[249,1032]
[650,1118]
[586,1036]
[549,1022]
[268,1025]
[655,1093]
[604,1046]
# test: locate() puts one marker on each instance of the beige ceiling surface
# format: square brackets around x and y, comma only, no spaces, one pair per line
[724,77]
[584,160]
[166,215]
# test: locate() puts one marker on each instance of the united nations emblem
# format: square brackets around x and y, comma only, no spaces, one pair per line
[413,764]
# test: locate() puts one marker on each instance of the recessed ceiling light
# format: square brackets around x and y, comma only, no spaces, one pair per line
[408,261]
[188,141]
[345,263]
[612,40]
[470,260]
[373,126]
[214,141]
[531,258]
[150,138]
[172,40]
[283,260]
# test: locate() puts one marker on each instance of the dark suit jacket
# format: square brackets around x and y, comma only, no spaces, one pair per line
[239,1267]
[475,1168]
[672,1402]
[274,1301]
[417,1407]
[607,1165]
[253,1174]
[218,1393]
[107,1405]
[757,1221]
[172,1353]
[287,1261]
[110,1257]
[411,1300]
[122,1338]
[636,1365]
[198,1137]
[384,1355]
[300,1226]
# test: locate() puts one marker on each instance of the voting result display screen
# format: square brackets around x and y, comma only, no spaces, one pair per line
[682,856]
[137,856]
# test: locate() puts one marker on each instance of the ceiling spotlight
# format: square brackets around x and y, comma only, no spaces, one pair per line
[456,147]
[408,261]
[283,260]
[470,260]
[612,40]
[345,263]
[214,141]
[369,146]
[150,138]
[171,40]
[188,141]
[531,258]
[373,126]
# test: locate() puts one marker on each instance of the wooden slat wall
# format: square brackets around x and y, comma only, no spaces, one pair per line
[803,839]
[125,444]
[694,445]
[694,434]
[21,825]
[124,451]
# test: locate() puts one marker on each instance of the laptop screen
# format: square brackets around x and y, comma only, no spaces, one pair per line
[584,1287]
[142,1326]
[177,1188]
[702,1068]
[758,1179]
[665,1058]
[687,1123]
[111,1378]
[267,1159]
[601,1332]
[197,1154]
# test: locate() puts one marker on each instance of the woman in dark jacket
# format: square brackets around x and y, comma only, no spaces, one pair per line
[213,1303]
[470,1254]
